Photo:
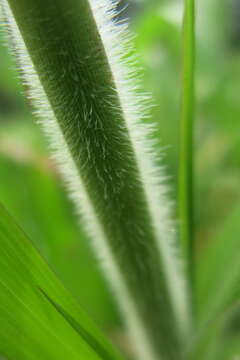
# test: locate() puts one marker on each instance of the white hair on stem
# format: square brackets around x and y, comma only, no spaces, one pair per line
[117,43]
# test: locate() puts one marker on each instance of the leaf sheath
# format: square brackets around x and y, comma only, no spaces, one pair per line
[69,56]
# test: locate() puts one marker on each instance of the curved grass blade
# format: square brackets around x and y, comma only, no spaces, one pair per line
[31,327]
[88,107]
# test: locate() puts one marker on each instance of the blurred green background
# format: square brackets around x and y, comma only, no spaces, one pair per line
[30,186]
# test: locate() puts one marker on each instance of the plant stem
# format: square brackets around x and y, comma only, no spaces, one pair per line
[186,161]
[109,169]
[186,197]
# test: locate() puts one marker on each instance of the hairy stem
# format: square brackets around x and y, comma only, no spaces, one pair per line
[66,48]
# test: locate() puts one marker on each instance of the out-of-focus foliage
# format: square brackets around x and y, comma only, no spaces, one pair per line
[30,185]
[217,136]
[216,151]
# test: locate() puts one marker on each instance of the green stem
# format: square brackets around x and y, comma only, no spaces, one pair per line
[186,197]
[186,163]
[66,49]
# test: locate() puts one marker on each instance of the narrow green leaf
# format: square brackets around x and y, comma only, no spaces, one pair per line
[31,327]
[186,134]
[86,101]
[93,343]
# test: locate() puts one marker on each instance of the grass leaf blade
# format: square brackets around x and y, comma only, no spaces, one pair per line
[31,328]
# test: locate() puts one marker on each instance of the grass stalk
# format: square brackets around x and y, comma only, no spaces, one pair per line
[71,61]
[186,196]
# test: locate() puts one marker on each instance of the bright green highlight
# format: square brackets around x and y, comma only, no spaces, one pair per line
[39,318]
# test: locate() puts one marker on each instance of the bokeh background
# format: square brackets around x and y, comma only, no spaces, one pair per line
[30,185]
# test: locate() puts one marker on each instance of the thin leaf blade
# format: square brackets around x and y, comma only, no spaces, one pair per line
[186,133]
[31,327]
